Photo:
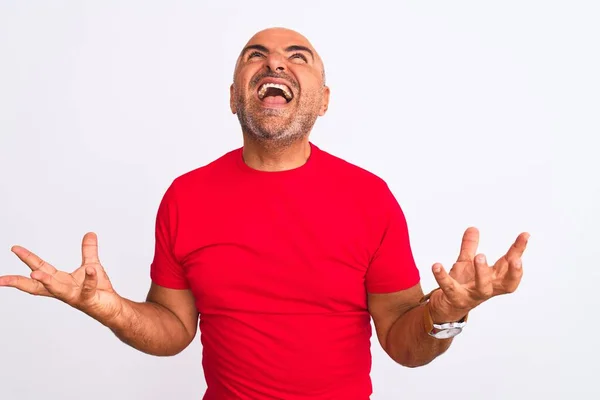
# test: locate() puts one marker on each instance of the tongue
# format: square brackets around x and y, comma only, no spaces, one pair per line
[274,100]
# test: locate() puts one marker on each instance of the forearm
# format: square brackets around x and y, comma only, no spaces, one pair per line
[409,344]
[150,328]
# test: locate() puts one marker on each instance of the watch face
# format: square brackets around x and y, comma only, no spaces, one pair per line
[447,333]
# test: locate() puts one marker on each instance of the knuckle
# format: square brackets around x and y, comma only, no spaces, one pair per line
[461,303]
[87,288]
[72,300]
[449,289]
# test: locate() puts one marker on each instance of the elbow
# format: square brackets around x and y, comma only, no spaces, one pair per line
[170,352]
[164,350]
[176,350]
[411,359]
[408,361]
[413,363]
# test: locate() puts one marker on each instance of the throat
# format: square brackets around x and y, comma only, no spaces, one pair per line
[274,157]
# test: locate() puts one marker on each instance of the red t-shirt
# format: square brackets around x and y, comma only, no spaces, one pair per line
[280,264]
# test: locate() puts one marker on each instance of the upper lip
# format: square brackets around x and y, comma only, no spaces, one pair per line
[278,81]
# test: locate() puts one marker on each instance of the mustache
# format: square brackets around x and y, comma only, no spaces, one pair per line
[271,74]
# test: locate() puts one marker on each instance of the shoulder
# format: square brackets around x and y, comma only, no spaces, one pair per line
[349,172]
[204,177]
[363,186]
[216,169]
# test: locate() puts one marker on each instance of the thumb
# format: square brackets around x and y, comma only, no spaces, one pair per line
[90,283]
[89,249]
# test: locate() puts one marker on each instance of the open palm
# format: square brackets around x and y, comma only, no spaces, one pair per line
[88,288]
[471,281]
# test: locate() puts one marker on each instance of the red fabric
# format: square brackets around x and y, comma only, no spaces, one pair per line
[280,264]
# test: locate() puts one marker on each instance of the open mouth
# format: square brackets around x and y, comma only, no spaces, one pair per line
[275,93]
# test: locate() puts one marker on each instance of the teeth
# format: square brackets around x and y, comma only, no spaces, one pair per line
[286,90]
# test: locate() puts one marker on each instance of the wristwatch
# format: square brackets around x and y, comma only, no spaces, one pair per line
[445,330]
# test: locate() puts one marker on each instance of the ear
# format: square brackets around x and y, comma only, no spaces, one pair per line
[232,100]
[325,104]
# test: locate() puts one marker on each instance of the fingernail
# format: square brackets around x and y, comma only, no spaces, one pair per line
[481,258]
[437,269]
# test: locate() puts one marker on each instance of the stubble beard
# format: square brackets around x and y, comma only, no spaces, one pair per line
[276,127]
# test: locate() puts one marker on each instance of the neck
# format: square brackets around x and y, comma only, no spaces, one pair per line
[274,156]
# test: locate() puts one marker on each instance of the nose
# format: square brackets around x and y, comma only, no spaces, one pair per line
[275,62]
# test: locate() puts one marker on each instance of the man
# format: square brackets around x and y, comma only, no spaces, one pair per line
[283,253]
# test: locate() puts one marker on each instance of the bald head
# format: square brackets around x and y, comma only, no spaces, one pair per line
[288,39]
[278,88]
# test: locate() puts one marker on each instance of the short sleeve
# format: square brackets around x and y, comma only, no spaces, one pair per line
[392,267]
[165,269]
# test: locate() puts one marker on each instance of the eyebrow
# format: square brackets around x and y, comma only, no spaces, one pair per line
[300,48]
[259,47]
[262,48]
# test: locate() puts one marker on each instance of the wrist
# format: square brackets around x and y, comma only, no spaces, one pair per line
[441,312]
[115,315]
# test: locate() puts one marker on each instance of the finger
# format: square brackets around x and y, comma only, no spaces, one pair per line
[89,249]
[518,247]
[469,244]
[23,284]
[53,286]
[90,282]
[447,284]
[513,276]
[483,277]
[32,260]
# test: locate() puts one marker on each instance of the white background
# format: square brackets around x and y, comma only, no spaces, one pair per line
[476,113]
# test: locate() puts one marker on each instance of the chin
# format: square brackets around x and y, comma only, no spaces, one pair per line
[270,126]
[275,135]
[274,125]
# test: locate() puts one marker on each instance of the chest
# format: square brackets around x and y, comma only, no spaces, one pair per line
[282,249]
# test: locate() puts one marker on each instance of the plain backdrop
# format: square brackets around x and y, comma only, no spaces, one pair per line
[475,113]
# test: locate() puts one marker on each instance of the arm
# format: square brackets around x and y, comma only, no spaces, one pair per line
[400,317]
[400,324]
[164,325]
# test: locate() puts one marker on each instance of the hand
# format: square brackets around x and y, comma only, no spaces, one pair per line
[87,288]
[471,281]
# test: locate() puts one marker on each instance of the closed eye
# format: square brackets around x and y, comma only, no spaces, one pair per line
[299,55]
[255,54]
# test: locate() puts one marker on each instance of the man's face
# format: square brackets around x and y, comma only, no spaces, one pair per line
[278,90]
